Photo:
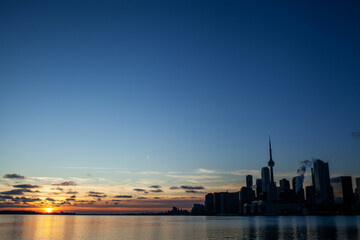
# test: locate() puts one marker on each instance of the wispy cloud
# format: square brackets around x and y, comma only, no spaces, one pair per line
[66,183]
[193,191]
[202,170]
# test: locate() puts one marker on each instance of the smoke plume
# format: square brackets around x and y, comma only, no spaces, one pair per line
[301,174]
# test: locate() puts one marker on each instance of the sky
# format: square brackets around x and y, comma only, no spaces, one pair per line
[123,106]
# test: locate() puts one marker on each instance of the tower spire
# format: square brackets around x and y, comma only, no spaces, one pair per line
[271,163]
[270,148]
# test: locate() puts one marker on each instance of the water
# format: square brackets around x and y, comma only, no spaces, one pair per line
[177,227]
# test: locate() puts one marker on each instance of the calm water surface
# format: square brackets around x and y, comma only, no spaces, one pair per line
[177,227]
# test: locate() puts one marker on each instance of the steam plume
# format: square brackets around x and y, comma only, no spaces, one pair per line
[301,172]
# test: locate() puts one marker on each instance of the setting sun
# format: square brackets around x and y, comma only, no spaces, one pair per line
[49,210]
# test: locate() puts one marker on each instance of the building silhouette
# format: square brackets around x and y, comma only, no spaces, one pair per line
[249,181]
[324,196]
[272,192]
[265,178]
[297,185]
[357,180]
[284,185]
[322,185]
[342,189]
[310,195]
[271,164]
[258,188]
[210,203]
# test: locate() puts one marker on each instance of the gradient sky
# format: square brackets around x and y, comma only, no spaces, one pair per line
[123,95]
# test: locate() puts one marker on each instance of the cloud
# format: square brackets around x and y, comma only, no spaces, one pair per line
[141,198]
[139,190]
[157,198]
[13,176]
[92,192]
[174,188]
[355,134]
[6,197]
[73,196]
[16,192]
[26,186]
[66,183]
[155,186]
[50,199]
[71,192]
[26,200]
[156,190]
[70,199]
[192,187]
[193,191]
[96,194]
[201,170]
[123,196]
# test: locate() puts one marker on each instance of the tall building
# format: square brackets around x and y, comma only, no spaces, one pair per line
[310,195]
[249,181]
[265,178]
[297,185]
[342,189]
[358,187]
[284,185]
[219,199]
[226,203]
[293,184]
[247,195]
[210,203]
[321,178]
[258,188]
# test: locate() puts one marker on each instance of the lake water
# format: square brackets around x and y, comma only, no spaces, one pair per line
[177,227]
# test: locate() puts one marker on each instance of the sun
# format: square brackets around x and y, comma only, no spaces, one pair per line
[49,210]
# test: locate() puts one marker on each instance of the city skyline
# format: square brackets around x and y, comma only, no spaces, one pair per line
[67,199]
[172,98]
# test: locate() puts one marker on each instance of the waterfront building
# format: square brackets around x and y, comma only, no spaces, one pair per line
[357,180]
[342,190]
[322,182]
[210,203]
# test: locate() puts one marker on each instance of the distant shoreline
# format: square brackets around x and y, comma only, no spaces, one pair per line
[7,212]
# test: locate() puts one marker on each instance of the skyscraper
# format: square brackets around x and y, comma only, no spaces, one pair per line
[284,185]
[321,178]
[265,178]
[249,181]
[210,203]
[358,187]
[258,187]
[342,189]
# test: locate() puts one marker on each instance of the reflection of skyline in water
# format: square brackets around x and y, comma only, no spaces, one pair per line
[177,227]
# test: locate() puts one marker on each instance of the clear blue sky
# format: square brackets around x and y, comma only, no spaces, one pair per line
[174,86]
